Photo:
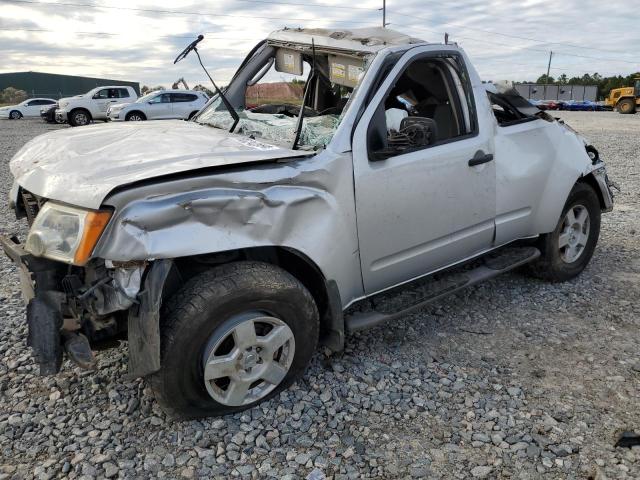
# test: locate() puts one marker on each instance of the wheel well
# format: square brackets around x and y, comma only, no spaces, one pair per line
[191,115]
[324,292]
[135,111]
[593,183]
[15,111]
[81,109]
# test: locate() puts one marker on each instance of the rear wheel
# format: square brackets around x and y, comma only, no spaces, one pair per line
[135,117]
[192,114]
[233,337]
[568,249]
[626,106]
[79,118]
[15,115]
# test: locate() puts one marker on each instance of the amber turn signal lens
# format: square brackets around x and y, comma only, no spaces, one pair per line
[93,227]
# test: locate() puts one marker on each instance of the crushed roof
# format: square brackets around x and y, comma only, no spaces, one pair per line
[370,39]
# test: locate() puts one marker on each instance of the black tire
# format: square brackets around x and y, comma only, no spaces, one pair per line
[551,266]
[15,115]
[79,117]
[198,311]
[139,116]
[626,106]
[192,114]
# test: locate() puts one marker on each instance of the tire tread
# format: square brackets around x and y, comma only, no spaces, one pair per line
[191,300]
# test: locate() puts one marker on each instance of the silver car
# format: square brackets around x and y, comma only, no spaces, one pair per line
[227,247]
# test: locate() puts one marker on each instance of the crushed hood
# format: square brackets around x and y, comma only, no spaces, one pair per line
[80,166]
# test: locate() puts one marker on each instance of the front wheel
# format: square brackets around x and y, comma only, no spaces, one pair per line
[15,115]
[568,249]
[135,117]
[79,118]
[627,106]
[233,337]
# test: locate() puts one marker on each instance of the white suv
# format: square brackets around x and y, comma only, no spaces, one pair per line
[161,104]
[93,105]
[28,108]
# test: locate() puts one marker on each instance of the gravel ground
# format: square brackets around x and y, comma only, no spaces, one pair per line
[514,378]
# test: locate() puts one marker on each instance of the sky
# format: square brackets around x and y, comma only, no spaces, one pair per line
[137,40]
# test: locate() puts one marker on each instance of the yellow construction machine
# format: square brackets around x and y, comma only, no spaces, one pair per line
[625,99]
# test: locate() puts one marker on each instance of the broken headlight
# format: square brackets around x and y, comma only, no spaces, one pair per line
[66,234]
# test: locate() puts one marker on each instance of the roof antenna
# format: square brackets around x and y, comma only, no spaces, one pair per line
[446,38]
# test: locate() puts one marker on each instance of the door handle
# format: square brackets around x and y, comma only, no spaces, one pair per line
[479,158]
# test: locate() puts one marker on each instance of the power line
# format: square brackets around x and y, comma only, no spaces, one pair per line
[110,34]
[274,2]
[318,5]
[43,30]
[491,32]
[175,12]
[526,48]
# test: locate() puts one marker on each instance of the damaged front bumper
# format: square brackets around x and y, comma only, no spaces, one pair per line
[44,314]
[71,308]
[605,184]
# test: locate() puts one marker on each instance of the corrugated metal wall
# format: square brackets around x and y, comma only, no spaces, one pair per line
[534,91]
[38,84]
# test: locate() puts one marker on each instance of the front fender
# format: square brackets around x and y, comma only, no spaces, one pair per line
[304,205]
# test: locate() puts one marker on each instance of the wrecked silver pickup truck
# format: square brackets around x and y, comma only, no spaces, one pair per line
[224,257]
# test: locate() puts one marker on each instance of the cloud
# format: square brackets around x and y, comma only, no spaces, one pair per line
[505,39]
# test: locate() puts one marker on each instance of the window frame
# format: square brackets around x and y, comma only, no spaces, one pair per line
[160,95]
[97,97]
[521,117]
[465,81]
[174,96]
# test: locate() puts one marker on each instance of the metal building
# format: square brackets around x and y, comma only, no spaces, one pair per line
[52,85]
[536,91]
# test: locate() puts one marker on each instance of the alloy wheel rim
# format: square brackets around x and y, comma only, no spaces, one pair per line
[15,115]
[81,119]
[135,118]
[248,360]
[574,234]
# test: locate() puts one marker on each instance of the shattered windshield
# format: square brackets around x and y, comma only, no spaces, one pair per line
[271,104]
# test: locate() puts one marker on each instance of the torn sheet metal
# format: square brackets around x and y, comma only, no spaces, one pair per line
[144,323]
[99,158]
[120,293]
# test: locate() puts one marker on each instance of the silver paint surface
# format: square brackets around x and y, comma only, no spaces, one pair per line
[305,205]
[81,166]
[421,217]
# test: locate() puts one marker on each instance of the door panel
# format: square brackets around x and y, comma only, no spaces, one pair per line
[183,104]
[159,107]
[31,109]
[421,211]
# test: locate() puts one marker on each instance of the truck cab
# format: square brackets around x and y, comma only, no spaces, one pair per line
[93,105]
[625,100]
[227,247]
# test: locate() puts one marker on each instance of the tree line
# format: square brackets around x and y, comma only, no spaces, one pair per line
[604,84]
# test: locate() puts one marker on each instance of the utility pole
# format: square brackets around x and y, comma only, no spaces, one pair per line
[546,80]
[384,13]
[549,67]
